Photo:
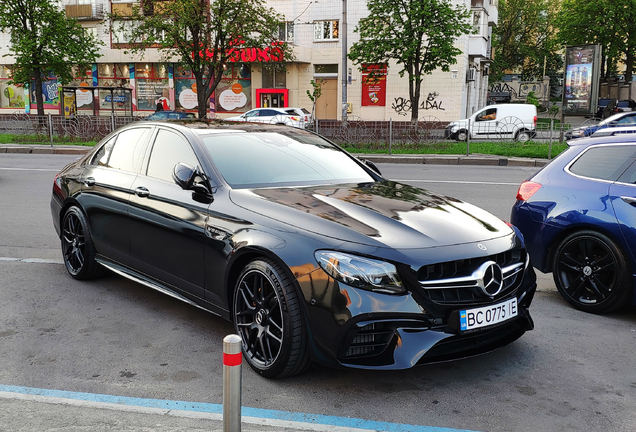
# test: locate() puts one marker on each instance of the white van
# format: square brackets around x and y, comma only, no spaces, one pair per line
[503,121]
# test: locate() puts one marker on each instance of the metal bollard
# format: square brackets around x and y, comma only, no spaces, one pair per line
[232,359]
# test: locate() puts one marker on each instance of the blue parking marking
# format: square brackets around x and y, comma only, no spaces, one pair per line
[203,407]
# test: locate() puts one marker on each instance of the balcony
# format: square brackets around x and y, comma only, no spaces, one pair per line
[85,12]
[478,47]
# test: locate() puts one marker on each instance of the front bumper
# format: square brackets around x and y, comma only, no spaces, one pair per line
[363,329]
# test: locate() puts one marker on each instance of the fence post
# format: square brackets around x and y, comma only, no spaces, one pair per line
[468,139]
[112,122]
[551,131]
[232,359]
[390,134]
[51,128]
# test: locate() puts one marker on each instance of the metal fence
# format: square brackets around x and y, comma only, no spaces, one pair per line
[353,131]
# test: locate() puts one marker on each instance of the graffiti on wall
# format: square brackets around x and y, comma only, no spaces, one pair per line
[520,90]
[402,106]
[431,104]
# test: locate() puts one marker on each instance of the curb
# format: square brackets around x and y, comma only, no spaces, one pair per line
[474,159]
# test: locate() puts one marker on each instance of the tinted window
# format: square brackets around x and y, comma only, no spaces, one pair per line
[127,153]
[168,150]
[102,155]
[604,162]
[272,159]
[627,120]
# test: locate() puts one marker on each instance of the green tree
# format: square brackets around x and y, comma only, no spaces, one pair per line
[204,36]
[315,95]
[419,35]
[44,40]
[611,24]
[525,40]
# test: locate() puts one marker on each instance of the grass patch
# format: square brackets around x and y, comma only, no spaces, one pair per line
[43,139]
[529,149]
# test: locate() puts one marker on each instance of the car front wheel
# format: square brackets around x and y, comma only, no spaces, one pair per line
[591,272]
[268,317]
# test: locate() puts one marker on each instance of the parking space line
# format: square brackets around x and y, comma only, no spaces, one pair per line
[209,411]
[457,182]
[32,260]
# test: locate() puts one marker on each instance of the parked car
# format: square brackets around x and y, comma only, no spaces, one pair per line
[617,120]
[281,116]
[309,251]
[626,105]
[605,108]
[304,114]
[503,121]
[578,218]
[170,115]
[613,131]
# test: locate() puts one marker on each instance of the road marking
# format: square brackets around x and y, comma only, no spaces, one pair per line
[32,260]
[209,411]
[459,182]
[29,169]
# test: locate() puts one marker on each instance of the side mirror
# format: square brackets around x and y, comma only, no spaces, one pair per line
[186,176]
[373,166]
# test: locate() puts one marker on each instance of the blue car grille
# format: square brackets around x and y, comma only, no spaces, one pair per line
[455,282]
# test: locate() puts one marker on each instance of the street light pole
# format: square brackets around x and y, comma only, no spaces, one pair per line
[344,71]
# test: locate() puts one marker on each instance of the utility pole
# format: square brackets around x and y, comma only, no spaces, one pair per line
[344,69]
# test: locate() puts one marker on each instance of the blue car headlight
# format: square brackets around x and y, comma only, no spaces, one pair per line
[361,272]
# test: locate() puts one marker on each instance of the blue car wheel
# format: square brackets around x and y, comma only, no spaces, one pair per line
[591,272]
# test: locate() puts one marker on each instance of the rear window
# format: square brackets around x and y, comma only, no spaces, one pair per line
[604,162]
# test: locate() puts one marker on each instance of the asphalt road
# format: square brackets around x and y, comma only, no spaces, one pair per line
[574,372]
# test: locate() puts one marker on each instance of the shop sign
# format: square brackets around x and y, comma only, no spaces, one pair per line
[374,84]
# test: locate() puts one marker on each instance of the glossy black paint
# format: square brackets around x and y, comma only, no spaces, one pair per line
[195,244]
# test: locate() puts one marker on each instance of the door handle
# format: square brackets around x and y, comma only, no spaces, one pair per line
[142,192]
[89,181]
[629,200]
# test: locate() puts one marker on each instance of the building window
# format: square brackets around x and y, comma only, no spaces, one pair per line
[286,32]
[274,76]
[122,30]
[326,30]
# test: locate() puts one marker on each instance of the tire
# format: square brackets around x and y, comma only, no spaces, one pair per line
[462,135]
[268,318]
[78,249]
[592,273]
[523,136]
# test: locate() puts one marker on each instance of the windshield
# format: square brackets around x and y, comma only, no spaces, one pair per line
[265,159]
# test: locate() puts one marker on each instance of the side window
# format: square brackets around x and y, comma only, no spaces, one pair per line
[101,157]
[489,114]
[627,120]
[604,162]
[127,152]
[168,150]
[251,113]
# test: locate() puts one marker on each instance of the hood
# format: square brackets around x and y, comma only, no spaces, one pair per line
[381,214]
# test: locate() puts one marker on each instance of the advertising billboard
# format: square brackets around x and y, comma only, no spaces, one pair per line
[581,81]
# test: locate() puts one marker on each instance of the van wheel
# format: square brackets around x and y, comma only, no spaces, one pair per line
[462,135]
[523,136]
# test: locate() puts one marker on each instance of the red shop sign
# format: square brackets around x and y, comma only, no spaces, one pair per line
[374,84]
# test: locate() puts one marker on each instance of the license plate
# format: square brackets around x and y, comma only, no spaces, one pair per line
[470,319]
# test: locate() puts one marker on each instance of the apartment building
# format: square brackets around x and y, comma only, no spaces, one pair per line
[314,29]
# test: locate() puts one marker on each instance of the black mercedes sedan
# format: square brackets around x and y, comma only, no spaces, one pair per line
[311,254]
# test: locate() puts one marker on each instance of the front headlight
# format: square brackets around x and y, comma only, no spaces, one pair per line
[360,272]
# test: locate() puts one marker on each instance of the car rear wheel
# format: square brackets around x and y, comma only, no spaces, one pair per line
[78,249]
[268,317]
[591,272]
[523,136]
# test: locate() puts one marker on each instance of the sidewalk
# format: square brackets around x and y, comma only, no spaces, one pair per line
[473,159]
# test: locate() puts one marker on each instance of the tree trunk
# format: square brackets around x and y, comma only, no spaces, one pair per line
[202,105]
[629,65]
[37,75]
[414,94]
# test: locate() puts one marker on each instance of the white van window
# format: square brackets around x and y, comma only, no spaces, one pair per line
[489,114]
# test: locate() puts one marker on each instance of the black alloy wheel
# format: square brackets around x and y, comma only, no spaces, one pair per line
[268,318]
[591,272]
[78,249]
